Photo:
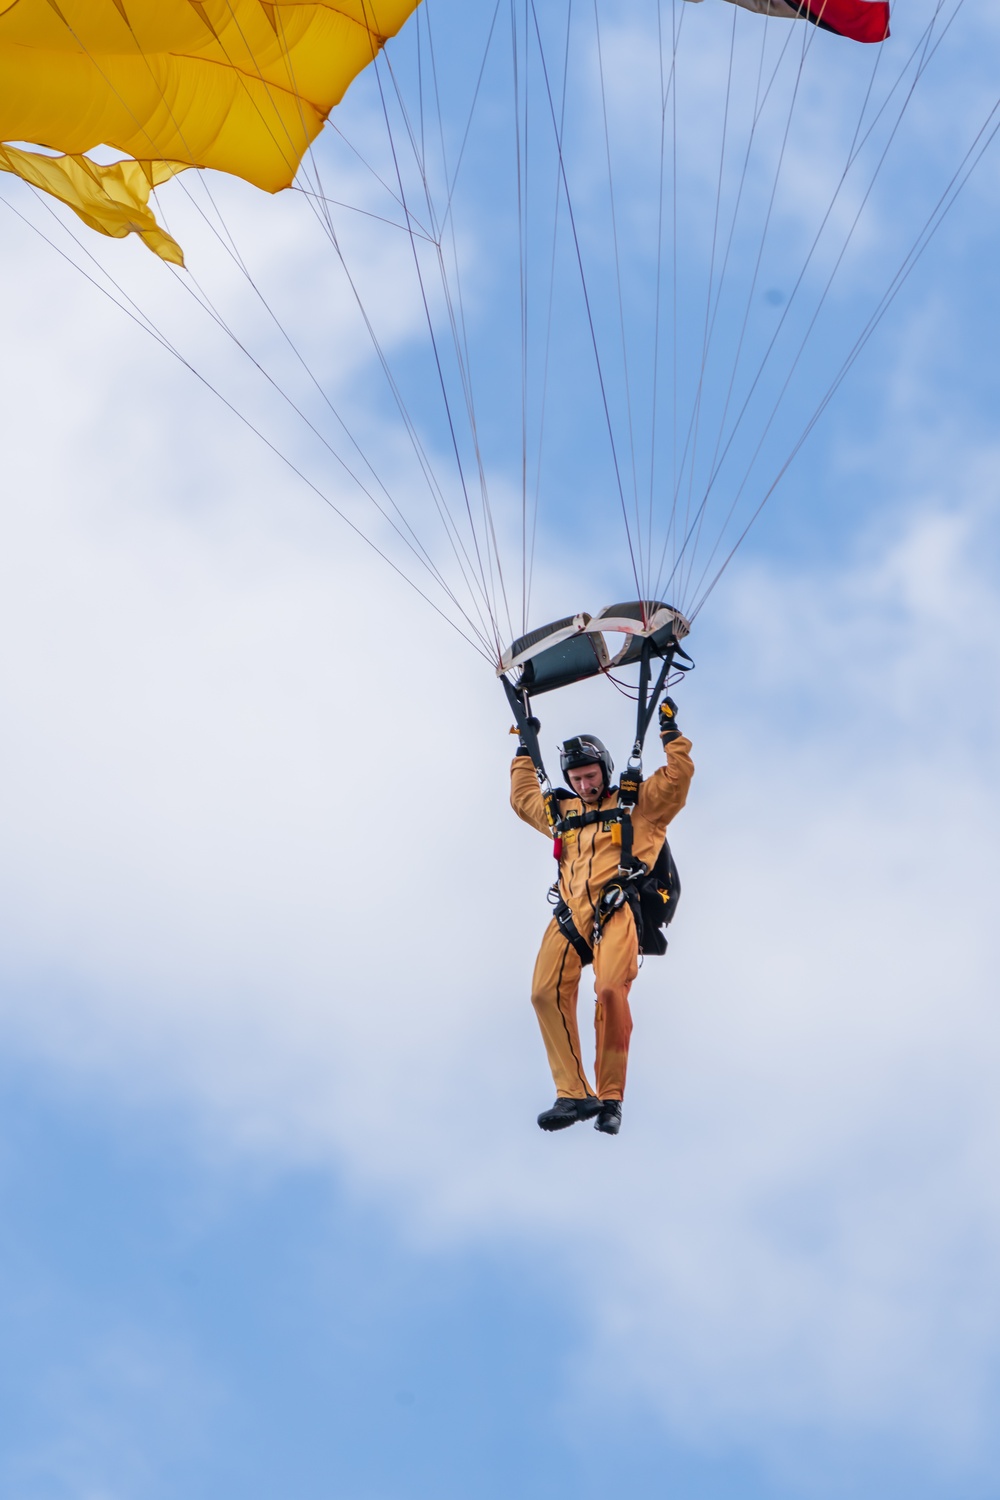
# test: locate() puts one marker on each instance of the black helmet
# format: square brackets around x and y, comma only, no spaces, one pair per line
[586,750]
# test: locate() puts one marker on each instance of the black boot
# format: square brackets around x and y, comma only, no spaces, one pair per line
[609,1121]
[567,1111]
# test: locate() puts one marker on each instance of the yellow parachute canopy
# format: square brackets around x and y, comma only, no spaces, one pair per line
[243,86]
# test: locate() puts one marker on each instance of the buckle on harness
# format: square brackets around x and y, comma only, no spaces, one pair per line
[612,899]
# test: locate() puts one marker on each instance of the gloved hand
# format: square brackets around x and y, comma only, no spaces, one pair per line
[668,721]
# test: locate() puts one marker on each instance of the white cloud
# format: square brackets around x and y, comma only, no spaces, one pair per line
[224,726]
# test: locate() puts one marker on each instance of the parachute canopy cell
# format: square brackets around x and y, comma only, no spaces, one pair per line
[239,85]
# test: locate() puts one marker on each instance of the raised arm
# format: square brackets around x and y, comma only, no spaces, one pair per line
[665,792]
[525,796]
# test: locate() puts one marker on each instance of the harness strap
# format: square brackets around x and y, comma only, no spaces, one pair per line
[568,928]
[585,820]
[621,889]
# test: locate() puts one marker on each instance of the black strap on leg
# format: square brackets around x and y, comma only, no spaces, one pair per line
[568,928]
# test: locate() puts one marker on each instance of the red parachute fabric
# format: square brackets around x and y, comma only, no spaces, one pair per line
[861,20]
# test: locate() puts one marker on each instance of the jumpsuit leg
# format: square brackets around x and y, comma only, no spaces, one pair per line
[553,994]
[616,963]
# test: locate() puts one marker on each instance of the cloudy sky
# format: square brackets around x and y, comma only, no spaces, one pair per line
[275,1216]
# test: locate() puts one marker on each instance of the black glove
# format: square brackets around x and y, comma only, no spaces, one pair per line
[668,721]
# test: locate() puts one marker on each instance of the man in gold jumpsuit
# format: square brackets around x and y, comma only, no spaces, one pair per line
[589,860]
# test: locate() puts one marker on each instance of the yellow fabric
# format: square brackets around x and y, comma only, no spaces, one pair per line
[113,200]
[239,85]
[554,990]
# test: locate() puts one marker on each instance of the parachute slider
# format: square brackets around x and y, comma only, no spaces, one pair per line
[556,655]
[573,649]
[641,620]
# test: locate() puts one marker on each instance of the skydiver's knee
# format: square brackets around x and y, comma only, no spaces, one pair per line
[613,999]
[542,1000]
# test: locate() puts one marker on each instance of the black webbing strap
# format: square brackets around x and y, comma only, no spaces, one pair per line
[527,728]
[647,700]
[568,928]
[584,820]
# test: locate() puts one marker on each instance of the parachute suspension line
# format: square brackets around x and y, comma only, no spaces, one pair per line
[238,260]
[399,524]
[550,305]
[672,534]
[931,226]
[921,47]
[456,320]
[522,284]
[808,40]
[312,195]
[326,222]
[353,207]
[463,351]
[586,295]
[472,108]
[856,146]
[143,321]
[127,304]
[229,244]
[674,268]
[984,138]
[667,95]
[442,383]
[459,552]
[678,464]
[192,288]
[621,302]
[654,383]
[691,530]
[707,329]
[686,547]
[422,154]
[683,560]
[458,324]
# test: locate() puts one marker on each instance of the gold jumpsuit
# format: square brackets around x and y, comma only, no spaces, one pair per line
[590,858]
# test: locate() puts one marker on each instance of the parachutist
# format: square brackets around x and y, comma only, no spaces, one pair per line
[606,838]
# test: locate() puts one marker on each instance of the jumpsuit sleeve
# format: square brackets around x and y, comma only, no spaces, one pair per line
[525,796]
[665,793]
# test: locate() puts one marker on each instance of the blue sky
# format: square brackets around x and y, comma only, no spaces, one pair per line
[277,1220]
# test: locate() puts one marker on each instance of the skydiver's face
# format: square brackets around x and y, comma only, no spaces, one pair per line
[587,782]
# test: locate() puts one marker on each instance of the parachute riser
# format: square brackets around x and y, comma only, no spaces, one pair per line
[527,728]
[629,789]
